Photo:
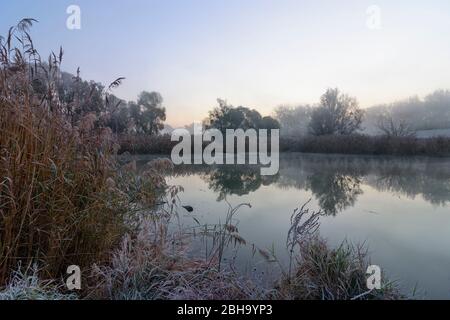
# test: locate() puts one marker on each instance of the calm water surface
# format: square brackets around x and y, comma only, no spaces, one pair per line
[398,206]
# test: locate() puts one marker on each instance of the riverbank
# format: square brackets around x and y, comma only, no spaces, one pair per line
[337,144]
[148,266]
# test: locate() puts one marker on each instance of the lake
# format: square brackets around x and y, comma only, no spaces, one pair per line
[398,206]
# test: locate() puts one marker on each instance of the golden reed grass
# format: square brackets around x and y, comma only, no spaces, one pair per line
[55,178]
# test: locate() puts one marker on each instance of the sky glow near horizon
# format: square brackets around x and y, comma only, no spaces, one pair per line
[255,53]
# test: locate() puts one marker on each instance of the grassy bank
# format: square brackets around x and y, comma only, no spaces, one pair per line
[146,267]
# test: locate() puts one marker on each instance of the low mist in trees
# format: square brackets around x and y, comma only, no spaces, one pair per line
[294,121]
[339,114]
[145,116]
[336,113]
[414,113]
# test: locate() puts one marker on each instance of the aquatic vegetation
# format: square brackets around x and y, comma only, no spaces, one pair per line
[324,273]
[320,272]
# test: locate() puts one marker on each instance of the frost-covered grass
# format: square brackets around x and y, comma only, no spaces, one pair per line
[148,267]
[26,285]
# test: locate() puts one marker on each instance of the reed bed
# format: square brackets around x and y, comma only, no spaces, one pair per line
[367,145]
[57,206]
[145,144]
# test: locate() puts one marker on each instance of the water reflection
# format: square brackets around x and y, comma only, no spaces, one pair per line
[237,180]
[334,192]
[431,179]
[398,206]
[335,181]
[228,179]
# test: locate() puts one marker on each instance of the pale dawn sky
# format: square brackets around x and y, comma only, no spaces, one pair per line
[255,53]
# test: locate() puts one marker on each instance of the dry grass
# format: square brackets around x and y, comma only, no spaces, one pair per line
[57,206]
[155,266]
[323,273]
[320,272]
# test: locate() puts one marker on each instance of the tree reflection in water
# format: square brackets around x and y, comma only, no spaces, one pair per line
[236,180]
[335,192]
[334,180]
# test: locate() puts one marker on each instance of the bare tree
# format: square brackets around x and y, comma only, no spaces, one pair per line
[394,128]
[337,113]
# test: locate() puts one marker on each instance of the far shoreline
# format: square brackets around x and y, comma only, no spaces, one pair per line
[357,144]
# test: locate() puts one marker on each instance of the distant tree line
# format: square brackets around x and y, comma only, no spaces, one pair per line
[412,114]
[336,113]
[339,114]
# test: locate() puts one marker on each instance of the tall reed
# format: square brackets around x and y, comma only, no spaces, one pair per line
[57,202]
